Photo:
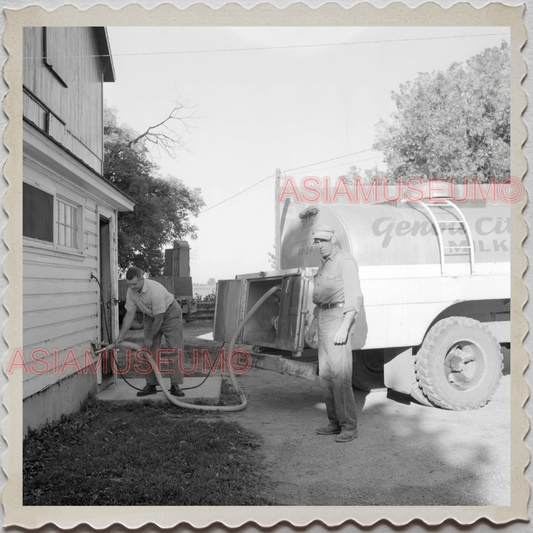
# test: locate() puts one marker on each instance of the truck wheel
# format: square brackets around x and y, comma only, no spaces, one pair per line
[367,372]
[459,365]
[416,390]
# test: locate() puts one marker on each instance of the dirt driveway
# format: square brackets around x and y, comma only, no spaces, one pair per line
[406,453]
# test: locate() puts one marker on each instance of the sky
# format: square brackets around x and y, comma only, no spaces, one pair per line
[267,98]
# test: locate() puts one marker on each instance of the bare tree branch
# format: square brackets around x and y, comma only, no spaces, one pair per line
[162,135]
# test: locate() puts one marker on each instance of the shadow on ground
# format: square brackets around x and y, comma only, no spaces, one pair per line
[406,454]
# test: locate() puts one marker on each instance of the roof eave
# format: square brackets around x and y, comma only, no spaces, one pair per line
[104,50]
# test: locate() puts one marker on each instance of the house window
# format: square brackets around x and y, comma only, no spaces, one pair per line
[52,219]
[37,214]
[67,224]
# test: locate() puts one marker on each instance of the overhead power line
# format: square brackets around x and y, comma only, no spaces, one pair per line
[290,47]
[317,45]
[328,160]
[287,170]
[237,194]
[337,166]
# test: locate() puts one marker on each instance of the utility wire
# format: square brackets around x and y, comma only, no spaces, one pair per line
[237,194]
[328,160]
[285,171]
[287,47]
[335,166]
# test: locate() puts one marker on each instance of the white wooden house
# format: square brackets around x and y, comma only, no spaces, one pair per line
[69,219]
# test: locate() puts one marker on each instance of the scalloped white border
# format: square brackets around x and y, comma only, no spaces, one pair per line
[232,517]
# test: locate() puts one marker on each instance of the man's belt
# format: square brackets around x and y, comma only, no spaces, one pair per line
[330,306]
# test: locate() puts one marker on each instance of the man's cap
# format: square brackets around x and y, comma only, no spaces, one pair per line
[320,231]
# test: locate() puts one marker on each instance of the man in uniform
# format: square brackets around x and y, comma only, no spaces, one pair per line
[162,316]
[337,297]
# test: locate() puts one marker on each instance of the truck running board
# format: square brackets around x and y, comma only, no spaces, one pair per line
[283,365]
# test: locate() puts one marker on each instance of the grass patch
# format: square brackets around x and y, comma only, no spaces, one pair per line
[143,454]
[228,395]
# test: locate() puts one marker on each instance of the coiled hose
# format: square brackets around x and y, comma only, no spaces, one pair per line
[234,382]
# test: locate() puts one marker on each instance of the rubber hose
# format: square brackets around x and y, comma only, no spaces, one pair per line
[186,405]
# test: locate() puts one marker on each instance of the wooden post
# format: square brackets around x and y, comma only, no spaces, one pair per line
[277,210]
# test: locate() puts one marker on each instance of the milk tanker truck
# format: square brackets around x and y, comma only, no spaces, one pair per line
[435,277]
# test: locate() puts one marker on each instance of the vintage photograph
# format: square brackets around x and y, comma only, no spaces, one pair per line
[267,265]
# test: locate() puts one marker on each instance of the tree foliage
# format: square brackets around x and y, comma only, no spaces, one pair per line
[164,205]
[453,124]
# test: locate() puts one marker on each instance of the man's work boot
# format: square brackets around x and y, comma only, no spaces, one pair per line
[176,391]
[347,436]
[328,430]
[148,389]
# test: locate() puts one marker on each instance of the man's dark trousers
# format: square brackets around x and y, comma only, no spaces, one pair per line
[172,329]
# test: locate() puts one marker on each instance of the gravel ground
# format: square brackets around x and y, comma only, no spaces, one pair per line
[406,453]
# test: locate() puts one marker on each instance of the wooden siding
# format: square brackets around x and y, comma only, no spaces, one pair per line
[61,304]
[75,111]
[60,312]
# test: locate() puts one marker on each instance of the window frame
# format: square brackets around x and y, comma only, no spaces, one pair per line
[57,224]
[78,250]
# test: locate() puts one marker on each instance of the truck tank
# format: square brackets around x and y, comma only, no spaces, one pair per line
[402,234]
[435,278]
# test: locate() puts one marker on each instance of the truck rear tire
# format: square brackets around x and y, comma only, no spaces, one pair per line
[367,372]
[459,365]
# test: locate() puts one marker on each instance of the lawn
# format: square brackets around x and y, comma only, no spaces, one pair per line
[146,454]
[143,454]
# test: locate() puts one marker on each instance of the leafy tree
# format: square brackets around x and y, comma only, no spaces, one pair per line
[211,281]
[453,124]
[354,172]
[163,207]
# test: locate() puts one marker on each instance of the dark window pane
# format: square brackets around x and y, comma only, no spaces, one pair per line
[37,214]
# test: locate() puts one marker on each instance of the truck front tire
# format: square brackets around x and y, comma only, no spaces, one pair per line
[459,365]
